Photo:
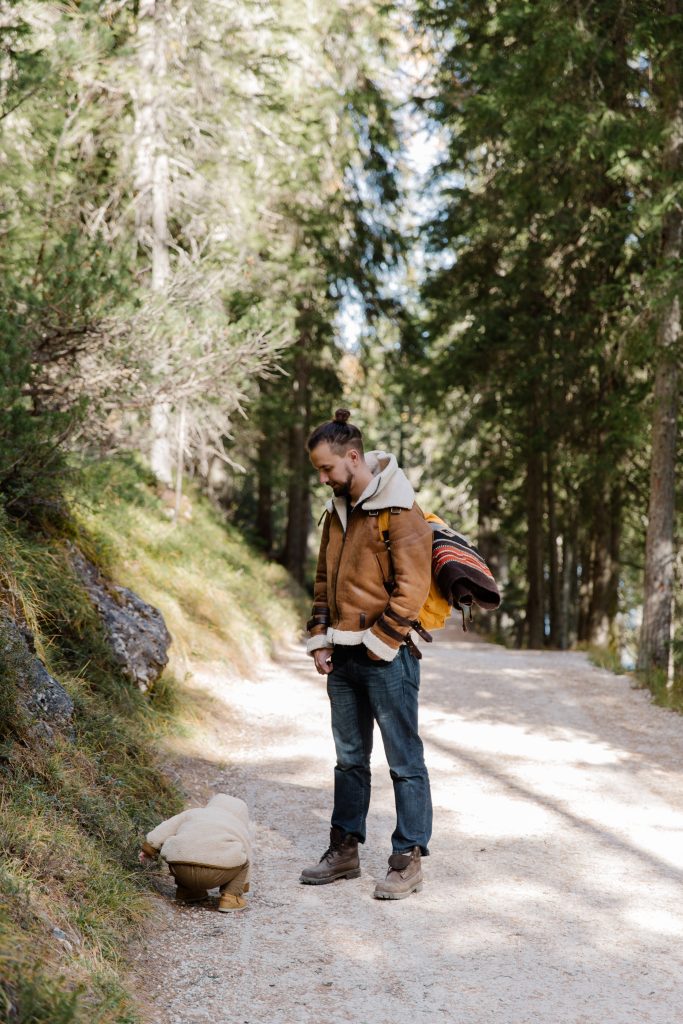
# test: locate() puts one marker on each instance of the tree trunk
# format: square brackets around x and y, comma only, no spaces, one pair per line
[553,557]
[567,588]
[298,505]
[655,632]
[535,625]
[490,542]
[604,598]
[655,635]
[299,498]
[264,498]
[584,586]
[152,197]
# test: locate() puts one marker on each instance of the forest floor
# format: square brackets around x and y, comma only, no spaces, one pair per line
[553,892]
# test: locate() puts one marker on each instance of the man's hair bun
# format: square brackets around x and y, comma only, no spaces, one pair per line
[338,433]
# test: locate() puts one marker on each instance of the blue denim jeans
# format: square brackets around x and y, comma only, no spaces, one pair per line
[362,692]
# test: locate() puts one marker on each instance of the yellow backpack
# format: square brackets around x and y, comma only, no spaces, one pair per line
[437,608]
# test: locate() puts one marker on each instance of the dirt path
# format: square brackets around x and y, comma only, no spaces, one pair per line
[553,893]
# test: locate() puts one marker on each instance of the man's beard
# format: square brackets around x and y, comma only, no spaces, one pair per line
[343,490]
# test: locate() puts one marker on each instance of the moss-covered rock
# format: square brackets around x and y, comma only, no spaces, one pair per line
[30,698]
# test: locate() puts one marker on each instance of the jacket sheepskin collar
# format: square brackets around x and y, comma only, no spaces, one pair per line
[389,487]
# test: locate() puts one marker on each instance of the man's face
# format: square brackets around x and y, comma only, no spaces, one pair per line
[334,470]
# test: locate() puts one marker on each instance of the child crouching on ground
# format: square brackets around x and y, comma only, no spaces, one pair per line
[206,847]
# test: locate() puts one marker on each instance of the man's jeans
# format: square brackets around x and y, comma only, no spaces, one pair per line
[363,691]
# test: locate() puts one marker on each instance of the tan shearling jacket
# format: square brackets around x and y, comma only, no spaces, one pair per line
[351,599]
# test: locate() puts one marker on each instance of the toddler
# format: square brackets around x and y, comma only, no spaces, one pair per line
[206,847]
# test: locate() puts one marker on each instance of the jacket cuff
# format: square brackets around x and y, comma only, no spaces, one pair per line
[319,620]
[316,643]
[378,647]
[149,850]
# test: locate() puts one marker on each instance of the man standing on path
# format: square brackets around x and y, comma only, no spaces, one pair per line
[367,594]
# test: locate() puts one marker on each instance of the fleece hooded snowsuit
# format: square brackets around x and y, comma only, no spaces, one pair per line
[207,846]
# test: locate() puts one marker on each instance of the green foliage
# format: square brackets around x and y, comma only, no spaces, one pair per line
[214,591]
[607,658]
[60,275]
[544,289]
[336,198]
[281,198]
[664,694]
[31,460]
[34,997]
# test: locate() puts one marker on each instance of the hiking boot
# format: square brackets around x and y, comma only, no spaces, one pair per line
[340,860]
[229,901]
[403,877]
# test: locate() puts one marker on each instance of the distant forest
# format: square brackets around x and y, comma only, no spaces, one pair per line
[218,221]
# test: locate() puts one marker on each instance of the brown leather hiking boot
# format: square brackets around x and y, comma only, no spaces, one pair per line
[340,860]
[403,877]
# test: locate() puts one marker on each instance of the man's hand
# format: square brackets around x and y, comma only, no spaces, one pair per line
[373,657]
[323,660]
[144,858]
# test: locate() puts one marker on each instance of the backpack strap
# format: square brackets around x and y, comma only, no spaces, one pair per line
[383,517]
[415,624]
[383,520]
[383,524]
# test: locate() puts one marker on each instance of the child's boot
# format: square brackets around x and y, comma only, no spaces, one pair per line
[229,901]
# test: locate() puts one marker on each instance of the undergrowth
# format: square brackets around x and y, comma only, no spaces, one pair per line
[72,811]
[216,593]
[605,657]
[664,692]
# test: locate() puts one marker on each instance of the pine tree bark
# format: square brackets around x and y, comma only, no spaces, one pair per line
[567,588]
[604,598]
[553,557]
[653,652]
[152,188]
[655,632]
[298,505]
[490,541]
[535,611]
[298,497]
[583,590]
[264,497]
[660,555]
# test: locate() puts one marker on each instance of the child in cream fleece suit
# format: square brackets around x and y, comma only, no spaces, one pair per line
[206,847]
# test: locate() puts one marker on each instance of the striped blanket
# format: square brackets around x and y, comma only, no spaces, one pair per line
[461,573]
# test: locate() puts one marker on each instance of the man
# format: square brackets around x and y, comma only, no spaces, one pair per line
[365,599]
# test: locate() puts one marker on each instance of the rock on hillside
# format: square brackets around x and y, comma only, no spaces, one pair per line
[136,631]
[43,700]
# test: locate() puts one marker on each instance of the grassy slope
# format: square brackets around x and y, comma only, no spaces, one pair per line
[664,693]
[71,816]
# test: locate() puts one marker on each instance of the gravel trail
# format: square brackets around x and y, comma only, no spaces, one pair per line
[553,892]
